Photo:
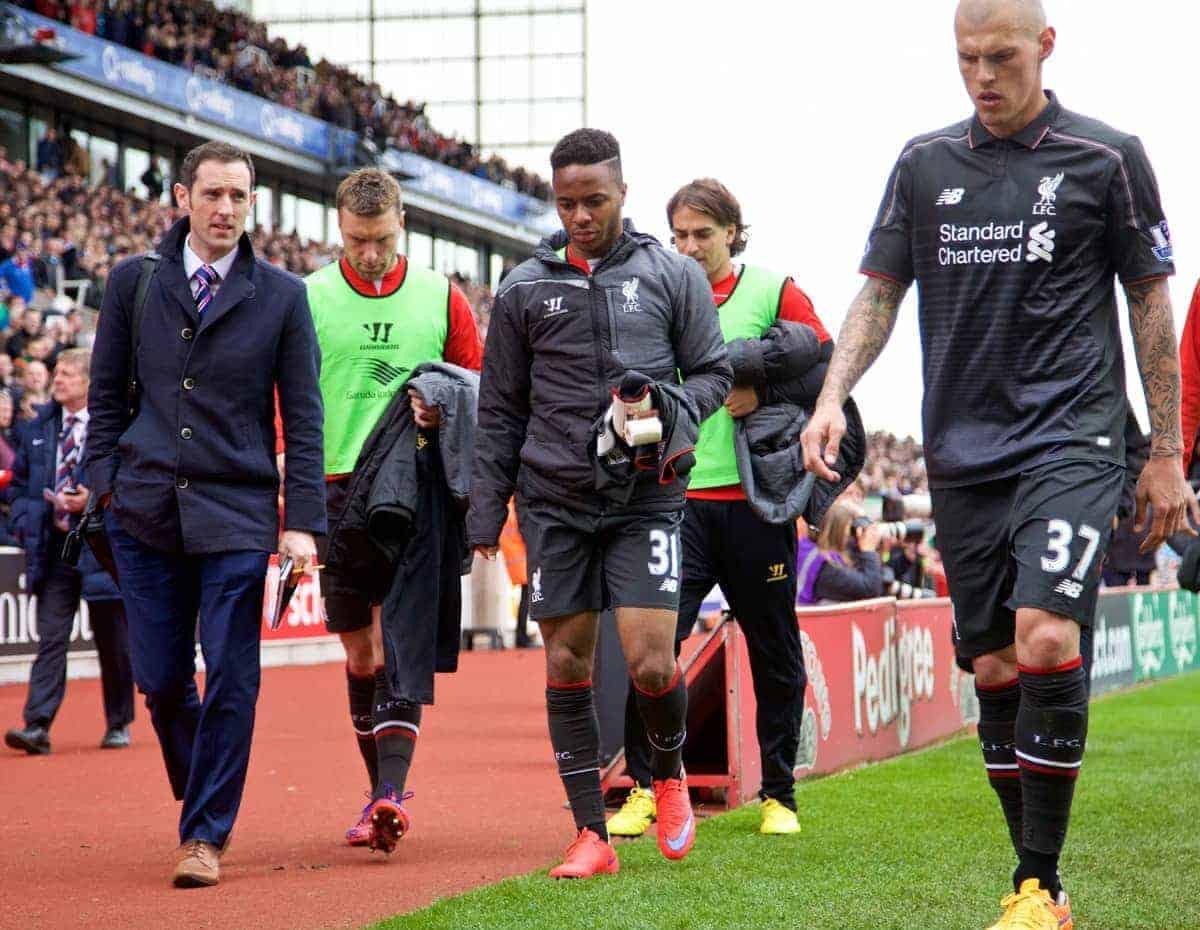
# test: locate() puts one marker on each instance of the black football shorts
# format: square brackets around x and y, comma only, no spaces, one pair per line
[1035,539]
[586,562]
[348,600]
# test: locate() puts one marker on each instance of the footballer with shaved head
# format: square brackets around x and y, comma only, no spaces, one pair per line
[1014,224]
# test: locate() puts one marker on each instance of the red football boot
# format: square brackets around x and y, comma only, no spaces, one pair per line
[588,855]
[389,820]
[676,823]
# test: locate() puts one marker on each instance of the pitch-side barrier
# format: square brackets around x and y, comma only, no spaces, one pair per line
[882,681]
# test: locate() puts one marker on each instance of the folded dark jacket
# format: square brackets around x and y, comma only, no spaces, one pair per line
[787,364]
[402,533]
[787,369]
[621,473]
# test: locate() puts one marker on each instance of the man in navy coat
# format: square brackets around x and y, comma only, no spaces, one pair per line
[190,482]
[48,492]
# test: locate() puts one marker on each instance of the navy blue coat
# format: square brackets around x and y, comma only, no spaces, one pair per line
[32,515]
[195,470]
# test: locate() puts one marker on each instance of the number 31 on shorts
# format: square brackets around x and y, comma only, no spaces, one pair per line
[1061,535]
[664,553]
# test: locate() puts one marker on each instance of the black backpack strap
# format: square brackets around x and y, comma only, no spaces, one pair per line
[149,266]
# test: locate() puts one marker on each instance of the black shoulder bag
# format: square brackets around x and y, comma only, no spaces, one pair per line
[90,528]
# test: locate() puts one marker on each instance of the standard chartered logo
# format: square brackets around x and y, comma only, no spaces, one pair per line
[999,244]
[1041,243]
[994,244]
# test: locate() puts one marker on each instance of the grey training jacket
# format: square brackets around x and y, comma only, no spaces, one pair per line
[559,341]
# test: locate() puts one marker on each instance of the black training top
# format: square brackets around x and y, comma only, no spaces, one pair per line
[1013,244]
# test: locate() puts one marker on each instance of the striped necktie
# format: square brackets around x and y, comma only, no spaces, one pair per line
[64,477]
[206,277]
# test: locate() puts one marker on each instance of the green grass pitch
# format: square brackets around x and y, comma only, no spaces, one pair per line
[915,843]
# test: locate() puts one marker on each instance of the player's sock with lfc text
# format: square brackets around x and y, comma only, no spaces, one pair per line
[1051,735]
[998,707]
[575,736]
[362,718]
[397,726]
[665,717]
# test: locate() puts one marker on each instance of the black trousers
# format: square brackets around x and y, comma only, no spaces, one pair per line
[725,543]
[57,603]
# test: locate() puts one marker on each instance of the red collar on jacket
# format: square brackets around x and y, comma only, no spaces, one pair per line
[391,281]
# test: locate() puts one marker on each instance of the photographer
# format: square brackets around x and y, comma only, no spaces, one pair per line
[843,564]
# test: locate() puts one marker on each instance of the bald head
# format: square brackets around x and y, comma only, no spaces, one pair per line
[1026,16]
[1002,45]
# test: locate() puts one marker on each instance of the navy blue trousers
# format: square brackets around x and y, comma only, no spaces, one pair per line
[206,745]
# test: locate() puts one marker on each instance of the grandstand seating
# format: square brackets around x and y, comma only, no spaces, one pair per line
[231,47]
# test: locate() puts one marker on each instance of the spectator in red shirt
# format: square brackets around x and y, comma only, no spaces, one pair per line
[1189,359]
[83,16]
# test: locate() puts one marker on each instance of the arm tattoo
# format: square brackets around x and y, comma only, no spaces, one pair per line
[868,326]
[1153,327]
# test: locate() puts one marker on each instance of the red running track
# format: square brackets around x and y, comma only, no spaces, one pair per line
[89,835]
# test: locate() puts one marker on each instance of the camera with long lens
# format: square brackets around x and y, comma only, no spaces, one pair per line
[902,590]
[897,506]
[893,530]
[896,531]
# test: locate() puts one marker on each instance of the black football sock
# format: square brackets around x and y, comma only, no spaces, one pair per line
[575,736]
[362,718]
[665,717]
[998,707]
[1051,736]
[397,726]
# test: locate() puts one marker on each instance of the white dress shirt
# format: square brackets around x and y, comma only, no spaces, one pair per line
[192,263]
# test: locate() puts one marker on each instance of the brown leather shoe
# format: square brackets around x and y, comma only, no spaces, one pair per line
[198,866]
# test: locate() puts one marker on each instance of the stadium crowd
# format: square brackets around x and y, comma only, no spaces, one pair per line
[894,465]
[229,46]
[55,224]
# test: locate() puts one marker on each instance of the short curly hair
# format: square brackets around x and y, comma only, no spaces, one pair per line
[712,198]
[369,192]
[587,147]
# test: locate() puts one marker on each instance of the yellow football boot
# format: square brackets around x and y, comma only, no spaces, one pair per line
[1032,908]
[636,814]
[777,819]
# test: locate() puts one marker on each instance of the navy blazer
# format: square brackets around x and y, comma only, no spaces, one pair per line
[195,470]
[34,470]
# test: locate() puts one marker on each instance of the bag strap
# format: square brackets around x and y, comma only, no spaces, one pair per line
[149,266]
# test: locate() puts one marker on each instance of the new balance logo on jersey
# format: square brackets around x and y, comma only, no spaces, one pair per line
[554,307]
[950,197]
[670,585]
[1047,192]
[535,586]
[1071,589]
[379,331]
[1041,243]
